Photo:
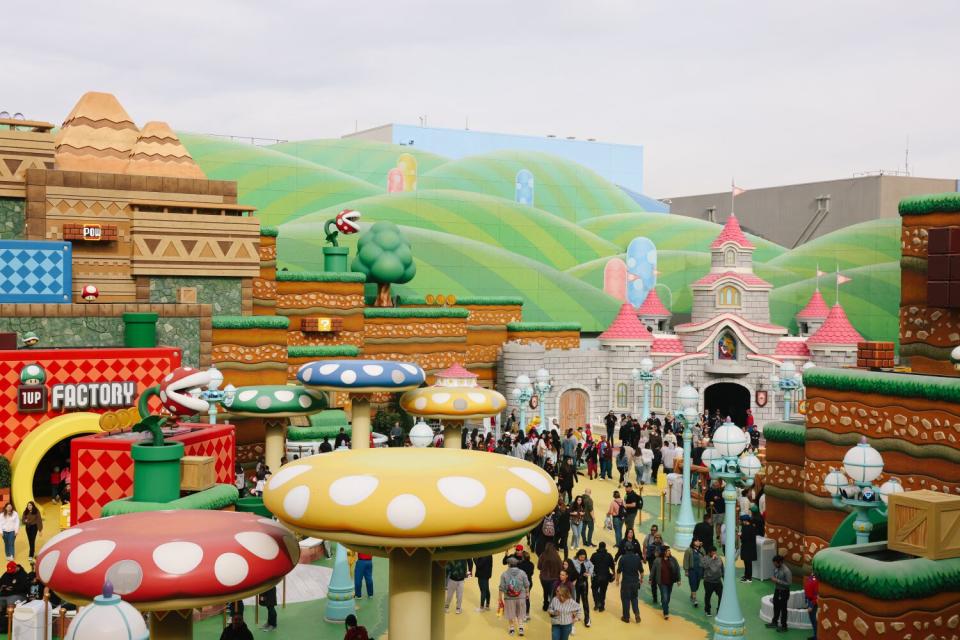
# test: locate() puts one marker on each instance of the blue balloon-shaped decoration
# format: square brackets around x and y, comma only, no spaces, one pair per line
[641,269]
[524,188]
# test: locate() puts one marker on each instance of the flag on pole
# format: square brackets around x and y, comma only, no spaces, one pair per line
[842,279]
[738,191]
[820,273]
[734,192]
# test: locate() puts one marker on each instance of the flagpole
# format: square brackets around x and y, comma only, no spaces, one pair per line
[836,299]
[733,188]
[818,276]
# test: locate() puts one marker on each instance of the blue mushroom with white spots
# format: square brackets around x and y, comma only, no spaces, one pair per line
[360,378]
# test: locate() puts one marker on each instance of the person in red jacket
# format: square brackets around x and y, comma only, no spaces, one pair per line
[354,630]
[811,592]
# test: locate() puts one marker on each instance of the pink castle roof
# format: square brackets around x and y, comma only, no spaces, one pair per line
[732,233]
[748,279]
[664,344]
[816,309]
[652,307]
[627,327]
[456,370]
[791,348]
[836,330]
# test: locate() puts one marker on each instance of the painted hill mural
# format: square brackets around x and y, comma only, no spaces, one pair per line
[532,225]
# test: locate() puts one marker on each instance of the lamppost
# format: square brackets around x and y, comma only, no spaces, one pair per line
[788,381]
[689,399]
[862,464]
[522,394]
[644,375]
[735,471]
[543,387]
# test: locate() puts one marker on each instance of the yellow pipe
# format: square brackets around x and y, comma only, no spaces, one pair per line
[275,442]
[410,595]
[360,437]
[438,592]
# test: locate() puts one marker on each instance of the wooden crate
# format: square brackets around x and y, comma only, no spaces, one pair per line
[924,523]
[187,295]
[197,473]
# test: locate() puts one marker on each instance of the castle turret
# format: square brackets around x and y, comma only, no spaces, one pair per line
[812,316]
[835,343]
[653,313]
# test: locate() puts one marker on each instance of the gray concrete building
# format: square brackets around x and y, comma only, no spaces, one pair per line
[728,350]
[791,215]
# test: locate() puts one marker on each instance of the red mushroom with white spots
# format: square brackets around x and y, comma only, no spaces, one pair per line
[169,562]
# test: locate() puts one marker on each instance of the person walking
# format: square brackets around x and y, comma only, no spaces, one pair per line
[666,574]
[623,465]
[355,631]
[629,576]
[32,521]
[55,485]
[576,521]
[268,599]
[588,519]
[811,594]
[712,580]
[782,579]
[10,527]
[693,567]
[363,572]
[591,455]
[617,513]
[652,552]
[236,630]
[456,573]
[703,531]
[483,571]
[603,575]
[564,611]
[748,546]
[610,422]
[633,503]
[655,444]
[562,520]
[549,566]
[514,588]
[585,569]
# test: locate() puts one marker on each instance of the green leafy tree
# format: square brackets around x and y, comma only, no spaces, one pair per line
[384,257]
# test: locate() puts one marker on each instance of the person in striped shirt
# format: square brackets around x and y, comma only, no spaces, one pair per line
[564,611]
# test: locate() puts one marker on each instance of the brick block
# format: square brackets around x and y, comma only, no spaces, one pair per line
[938,241]
[938,294]
[938,267]
[954,294]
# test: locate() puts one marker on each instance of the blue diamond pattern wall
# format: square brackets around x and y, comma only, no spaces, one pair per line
[35,271]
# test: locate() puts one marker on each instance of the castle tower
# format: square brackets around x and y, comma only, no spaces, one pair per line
[731,286]
[159,152]
[835,343]
[653,313]
[626,330]
[812,316]
[98,135]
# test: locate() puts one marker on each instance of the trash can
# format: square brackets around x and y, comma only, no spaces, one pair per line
[763,565]
[28,621]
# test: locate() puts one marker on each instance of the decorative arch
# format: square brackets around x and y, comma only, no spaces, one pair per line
[559,401]
[744,402]
[38,442]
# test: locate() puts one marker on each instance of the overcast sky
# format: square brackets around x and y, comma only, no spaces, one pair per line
[772,92]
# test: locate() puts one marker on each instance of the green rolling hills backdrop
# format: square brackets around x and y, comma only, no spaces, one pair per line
[472,237]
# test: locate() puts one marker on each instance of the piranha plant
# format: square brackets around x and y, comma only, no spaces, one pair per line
[384,257]
[335,256]
[153,425]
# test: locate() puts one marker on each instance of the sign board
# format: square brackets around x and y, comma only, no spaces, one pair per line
[92,232]
[93,395]
[31,399]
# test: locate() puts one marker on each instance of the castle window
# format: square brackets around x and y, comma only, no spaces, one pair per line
[730,258]
[728,297]
[622,396]
[657,396]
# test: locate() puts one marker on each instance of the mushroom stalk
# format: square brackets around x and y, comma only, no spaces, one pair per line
[410,595]
[274,441]
[438,592]
[360,437]
[451,434]
[171,625]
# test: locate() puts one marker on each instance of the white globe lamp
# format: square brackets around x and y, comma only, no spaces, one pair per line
[688,397]
[709,455]
[750,465]
[543,376]
[889,488]
[729,440]
[421,435]
[646,365]
[523,381]
[108,618]
[863,463]
[834,482]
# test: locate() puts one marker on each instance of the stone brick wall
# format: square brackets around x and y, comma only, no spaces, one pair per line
[12,218]
[186,326]
[222,294]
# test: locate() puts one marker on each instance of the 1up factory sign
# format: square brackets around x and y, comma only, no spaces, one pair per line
[68,396]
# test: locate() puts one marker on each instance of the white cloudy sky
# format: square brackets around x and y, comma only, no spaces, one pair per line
[770,91]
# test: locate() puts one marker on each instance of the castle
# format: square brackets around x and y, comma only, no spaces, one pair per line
[728,350]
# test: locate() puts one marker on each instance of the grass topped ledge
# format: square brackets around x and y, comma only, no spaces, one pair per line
[933,203]
[786,432]
[886,575]
[935,388]
[323,424]
[323,351]
[320,276]
[216,497]
[250,322]
[543,326]
[415,312]
[270,232]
